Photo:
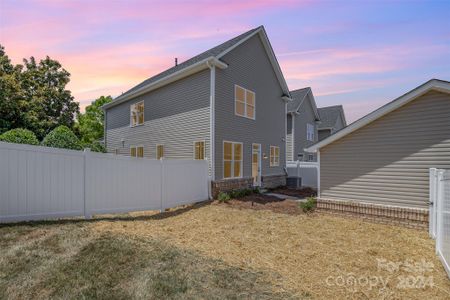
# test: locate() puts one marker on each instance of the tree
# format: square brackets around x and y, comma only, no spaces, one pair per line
[11,95]
[19,136]
[34,95]
[62,137]
[49,104]
[89,125]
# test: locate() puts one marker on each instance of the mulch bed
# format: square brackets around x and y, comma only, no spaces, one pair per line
[265,202]
[300,193]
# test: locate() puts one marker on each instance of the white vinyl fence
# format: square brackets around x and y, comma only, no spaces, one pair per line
[440,213]
[302,174]
[39,183]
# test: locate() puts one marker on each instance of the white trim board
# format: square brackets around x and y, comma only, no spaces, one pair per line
[433,84]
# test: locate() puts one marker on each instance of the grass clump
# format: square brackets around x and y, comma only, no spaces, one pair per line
[309,205]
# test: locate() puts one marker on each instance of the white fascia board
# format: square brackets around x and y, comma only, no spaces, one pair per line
[433,84]
[192,69]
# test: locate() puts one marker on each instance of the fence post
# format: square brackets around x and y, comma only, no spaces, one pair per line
[438,208]
[86,154]
[209,181]
[432,205]
[162,185]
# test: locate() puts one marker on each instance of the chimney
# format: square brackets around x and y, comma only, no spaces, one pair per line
[176,61]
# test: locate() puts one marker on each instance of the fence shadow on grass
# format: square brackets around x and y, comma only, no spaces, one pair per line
[114,217]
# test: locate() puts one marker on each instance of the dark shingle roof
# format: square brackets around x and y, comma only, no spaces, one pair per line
[297,98]
[211,52]
[328,115]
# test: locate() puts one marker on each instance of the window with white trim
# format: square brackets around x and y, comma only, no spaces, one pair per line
[232,160]
[309,132]
[159,151]
[310,157]
[274,156]
[137,151]
[137,114]
[199,150]
[244,102]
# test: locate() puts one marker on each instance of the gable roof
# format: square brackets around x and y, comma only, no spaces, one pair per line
[329,114]
[298,97]
[200,62]
[433,84]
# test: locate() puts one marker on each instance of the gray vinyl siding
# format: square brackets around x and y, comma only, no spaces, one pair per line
[300,142]
[177,133]
[175,115]
[249,67]
[387,161]
[339,124]
[324,133]
[184,95]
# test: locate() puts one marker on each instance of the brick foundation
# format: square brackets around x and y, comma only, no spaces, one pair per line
[226,185]
[403,216]
[273,181]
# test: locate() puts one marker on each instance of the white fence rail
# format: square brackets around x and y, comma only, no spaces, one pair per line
[440,213]
[307,172]
[39,183]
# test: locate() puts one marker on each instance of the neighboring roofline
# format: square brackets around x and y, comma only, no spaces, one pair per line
[433,84]
[312,101]
[194,68]
[270,53]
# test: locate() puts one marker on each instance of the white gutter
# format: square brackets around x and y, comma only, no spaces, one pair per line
[201,65]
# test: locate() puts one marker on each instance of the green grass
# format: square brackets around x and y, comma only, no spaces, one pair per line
[68,261]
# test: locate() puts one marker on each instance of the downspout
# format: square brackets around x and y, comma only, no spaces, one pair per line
[212,95]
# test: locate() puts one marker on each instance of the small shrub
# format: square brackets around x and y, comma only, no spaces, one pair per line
[19,136]
[309,205]
[62,137]
[223,197]
[236,194]
[96,147]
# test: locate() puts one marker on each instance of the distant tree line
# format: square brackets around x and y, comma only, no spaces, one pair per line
[36,108]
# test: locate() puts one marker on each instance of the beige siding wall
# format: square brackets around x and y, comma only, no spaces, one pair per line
[388,161]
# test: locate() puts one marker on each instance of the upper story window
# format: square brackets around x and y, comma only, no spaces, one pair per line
[310,132]
[137,114]
[244,102]
[274,156]
[199,150]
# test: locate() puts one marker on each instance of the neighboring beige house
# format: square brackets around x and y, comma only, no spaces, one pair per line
[384,157]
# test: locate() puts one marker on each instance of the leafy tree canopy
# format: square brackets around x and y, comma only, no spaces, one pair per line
[34,95]
[19,136]
[62,137]
[89,125]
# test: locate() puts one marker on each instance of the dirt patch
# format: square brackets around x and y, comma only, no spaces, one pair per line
[299,193]
[220,252]
[265,202]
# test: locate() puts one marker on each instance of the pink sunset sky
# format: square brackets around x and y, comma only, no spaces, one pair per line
[360,54]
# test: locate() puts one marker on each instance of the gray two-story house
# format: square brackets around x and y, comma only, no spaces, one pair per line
[332,119]
[302,125]
[227,105]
